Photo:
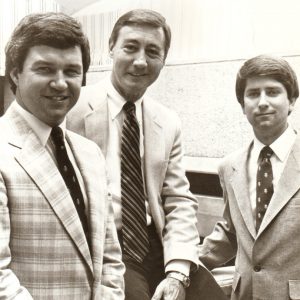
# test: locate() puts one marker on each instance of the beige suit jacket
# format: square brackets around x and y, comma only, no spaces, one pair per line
[43,250]
[267,262]
[173,208]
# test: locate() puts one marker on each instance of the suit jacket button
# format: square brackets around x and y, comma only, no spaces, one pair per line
[257,268]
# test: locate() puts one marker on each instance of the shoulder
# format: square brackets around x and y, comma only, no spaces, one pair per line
[233,158]
[81,144]
[90,97]
[164,113]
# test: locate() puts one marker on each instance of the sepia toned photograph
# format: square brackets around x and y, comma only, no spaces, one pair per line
[149,149]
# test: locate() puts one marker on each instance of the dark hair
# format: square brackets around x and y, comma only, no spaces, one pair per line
[50,29]
[142,17]
[270,66]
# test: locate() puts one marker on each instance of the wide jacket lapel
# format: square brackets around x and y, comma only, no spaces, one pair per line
[154,157]
[39,165]
[96,190]
[288,185]
[240,185]
[96,122]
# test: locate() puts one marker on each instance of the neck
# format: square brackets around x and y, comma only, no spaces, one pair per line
[268,139]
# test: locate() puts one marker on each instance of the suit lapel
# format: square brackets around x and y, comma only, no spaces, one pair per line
[240,184]
[96,122]
[39,165]
[94,181]
[154,156]
[288,185]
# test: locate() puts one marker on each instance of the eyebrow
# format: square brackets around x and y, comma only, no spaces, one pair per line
[47,63]
[133,40]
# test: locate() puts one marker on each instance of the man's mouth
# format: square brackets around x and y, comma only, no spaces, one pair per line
[137,74]
[57,98]
[265,114]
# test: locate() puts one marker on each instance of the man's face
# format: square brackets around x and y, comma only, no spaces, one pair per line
[49,84]
[138,57]
[267,106]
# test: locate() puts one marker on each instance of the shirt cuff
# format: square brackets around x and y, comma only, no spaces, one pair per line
[177,265]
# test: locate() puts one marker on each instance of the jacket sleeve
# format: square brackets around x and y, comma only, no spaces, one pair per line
[180,234]
[221,245]
[10,287]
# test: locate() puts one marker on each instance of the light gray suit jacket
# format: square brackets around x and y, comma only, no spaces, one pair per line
[173,208]
[267,262]
[43,250]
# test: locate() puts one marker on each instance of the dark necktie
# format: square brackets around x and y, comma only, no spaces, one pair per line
[134,224]
[264,184]
[67,172]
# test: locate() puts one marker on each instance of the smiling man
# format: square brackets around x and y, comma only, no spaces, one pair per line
[58,239]
[155,213]
[261,185]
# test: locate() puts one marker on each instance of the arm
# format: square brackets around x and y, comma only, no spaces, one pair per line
[10,287]
[112,281]
[221,245]
[180,235]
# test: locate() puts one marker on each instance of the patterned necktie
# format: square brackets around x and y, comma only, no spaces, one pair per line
[134,224]
[264,184]
[67,172]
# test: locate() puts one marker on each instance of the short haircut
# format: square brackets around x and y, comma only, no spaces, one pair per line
[50,29]
[142,17]
[267,66]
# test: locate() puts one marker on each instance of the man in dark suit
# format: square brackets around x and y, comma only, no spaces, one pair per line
[167,238]
[261,184]
[58,239]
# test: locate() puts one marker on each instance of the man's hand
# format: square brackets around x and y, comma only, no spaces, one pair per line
[169,289]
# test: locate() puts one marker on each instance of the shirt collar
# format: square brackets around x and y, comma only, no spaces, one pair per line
[281,147]
[41,129]
[116,101]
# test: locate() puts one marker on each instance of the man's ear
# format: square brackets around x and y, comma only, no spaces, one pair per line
[14,75]
[243,107]
[111,48]
[292,104]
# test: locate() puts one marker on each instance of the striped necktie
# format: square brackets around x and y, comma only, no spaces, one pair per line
[264,184]
[134,224]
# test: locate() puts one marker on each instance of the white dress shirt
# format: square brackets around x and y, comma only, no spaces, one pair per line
[281,148]
[43,132]
[116,118]
[113,162]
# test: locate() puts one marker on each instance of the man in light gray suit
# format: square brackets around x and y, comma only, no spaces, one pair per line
[261,184]
[139,45]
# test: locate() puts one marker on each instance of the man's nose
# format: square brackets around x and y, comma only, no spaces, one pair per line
[263,100]
[59,82]
[140,59]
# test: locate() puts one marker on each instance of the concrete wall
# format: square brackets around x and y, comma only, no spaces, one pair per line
[203,95]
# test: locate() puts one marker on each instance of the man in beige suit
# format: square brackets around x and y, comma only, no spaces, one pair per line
[57,234]
[139,44]
[262,194]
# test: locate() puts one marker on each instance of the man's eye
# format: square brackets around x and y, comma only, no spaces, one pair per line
[130,48]
[252,94]
[44,69]
[153,52]
[72,72]
[273,93]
